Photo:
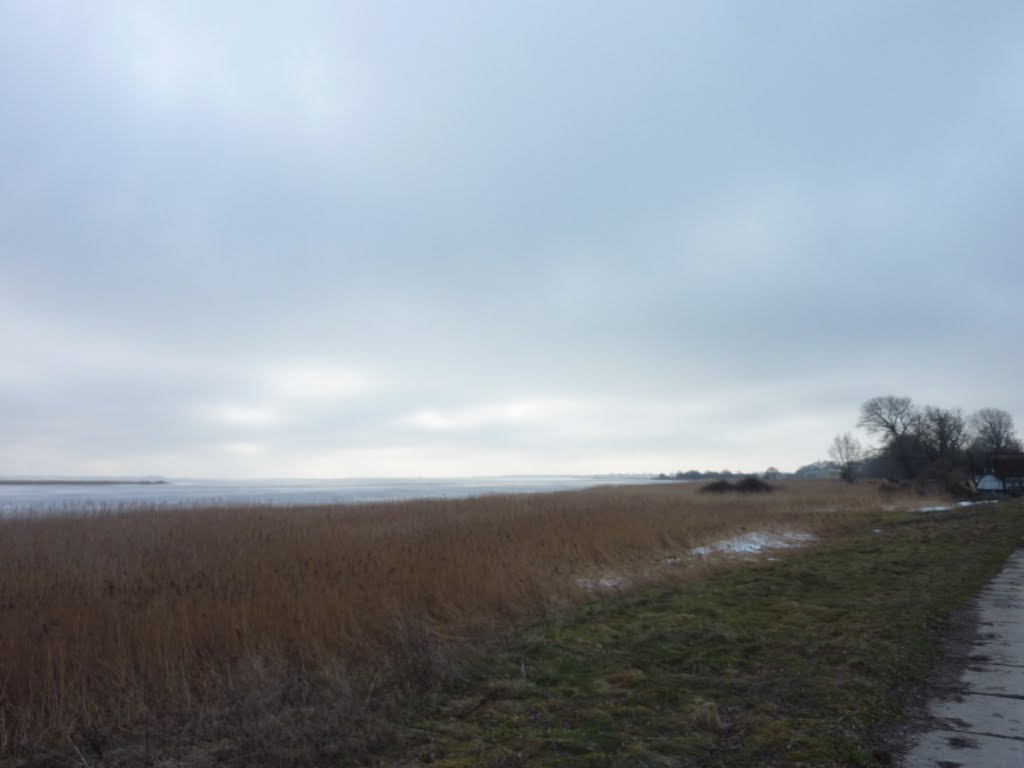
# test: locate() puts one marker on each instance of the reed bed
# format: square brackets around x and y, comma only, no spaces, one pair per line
[120,617]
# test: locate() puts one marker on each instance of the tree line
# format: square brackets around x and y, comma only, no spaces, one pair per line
[925,443]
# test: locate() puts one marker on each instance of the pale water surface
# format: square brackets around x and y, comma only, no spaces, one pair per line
[67,496]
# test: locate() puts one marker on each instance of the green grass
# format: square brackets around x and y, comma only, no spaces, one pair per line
[802,661]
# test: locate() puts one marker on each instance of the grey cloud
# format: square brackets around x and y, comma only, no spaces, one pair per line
[679,205]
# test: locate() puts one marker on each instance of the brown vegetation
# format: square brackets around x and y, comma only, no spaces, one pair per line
[112,620]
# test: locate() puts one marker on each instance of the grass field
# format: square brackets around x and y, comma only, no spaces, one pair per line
[805,661]
[284,635]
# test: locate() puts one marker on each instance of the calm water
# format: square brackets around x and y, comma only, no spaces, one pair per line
[67,497]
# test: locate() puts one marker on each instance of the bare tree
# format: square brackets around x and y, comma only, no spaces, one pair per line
[895,420]
[993,430]
[943,432]
[847,452]
[930,444]
[888,416]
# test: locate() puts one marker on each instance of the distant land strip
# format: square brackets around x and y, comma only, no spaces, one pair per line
[83,482]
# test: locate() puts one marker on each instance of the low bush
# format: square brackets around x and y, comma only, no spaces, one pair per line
[750,484]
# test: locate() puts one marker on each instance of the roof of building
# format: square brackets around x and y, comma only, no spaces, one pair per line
[988,483]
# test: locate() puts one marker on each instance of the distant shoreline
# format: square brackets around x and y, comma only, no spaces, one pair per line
[83,482]
[63,494]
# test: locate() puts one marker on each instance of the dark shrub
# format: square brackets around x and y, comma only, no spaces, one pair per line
[746,485]
[753,484]
[719,486]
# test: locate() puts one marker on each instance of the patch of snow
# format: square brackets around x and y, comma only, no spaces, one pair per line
[747,544]
[753,543]
[606,581]
[946,507]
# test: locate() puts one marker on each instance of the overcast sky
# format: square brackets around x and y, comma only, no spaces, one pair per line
[448,238]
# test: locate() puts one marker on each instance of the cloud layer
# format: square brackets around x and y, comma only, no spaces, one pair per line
[324,239]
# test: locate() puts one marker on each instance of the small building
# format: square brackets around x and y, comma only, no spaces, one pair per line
[1004,473]
[988,483]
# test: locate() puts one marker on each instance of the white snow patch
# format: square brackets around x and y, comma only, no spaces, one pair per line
[747,544]
[947,507]
[605,581]
[753,543]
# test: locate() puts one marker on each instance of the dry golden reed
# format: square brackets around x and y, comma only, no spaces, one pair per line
[114,617]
